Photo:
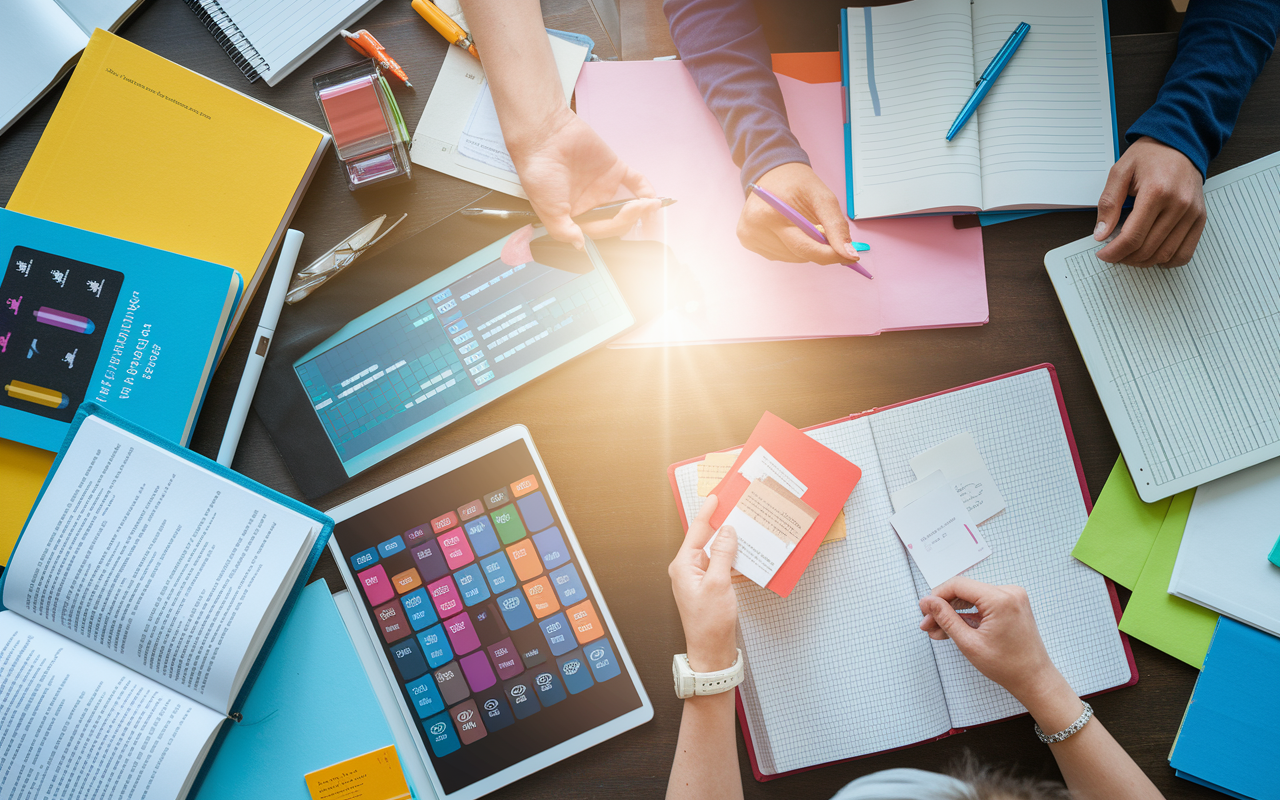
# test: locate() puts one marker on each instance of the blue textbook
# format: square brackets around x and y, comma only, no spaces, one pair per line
[86,317]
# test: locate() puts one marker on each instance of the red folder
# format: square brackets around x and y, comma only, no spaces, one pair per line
[1088,503]
[830,479]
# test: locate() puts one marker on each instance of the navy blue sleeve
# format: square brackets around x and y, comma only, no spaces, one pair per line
[1221,49]
[722,44]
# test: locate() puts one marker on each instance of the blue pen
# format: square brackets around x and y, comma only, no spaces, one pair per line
[989,76]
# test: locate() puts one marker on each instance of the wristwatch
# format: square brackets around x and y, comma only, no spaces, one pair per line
[690,683]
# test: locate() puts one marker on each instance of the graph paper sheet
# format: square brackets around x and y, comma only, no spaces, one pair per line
[869,679]
[1187,360]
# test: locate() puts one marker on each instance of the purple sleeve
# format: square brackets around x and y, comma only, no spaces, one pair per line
[1221,49]
[723,47]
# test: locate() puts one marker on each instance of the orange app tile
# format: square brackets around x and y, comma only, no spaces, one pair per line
[525,560]
[525,485]
[586,625]
[406,581]
[542,597]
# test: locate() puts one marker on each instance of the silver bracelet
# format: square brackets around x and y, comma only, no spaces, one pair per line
[1070,730]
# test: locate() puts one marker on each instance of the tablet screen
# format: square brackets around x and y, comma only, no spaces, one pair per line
[451,344]
[485,614]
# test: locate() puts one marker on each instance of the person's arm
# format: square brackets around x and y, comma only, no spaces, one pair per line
[1222,47]
[564,165]
[722,45]
[1002,641]
[706,762]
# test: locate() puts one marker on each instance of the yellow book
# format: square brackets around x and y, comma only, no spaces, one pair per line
[143,149]
[22,473]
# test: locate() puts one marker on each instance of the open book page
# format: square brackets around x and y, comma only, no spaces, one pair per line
[75,724]
[43,44]
[156,562]
[1047,132]
[1185,359]
[1017,426]
[867,680]
[105,14]
[910,72]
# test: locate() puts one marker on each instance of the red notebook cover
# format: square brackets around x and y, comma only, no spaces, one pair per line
[828,476]
[1088,504]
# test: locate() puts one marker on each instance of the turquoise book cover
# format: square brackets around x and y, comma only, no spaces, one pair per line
[85,317]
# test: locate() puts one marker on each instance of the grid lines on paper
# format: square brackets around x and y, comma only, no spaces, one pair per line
[1018,429]
[839,668]
[1194,352]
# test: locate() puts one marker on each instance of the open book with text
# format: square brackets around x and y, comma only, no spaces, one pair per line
[1044,137]
[145,591]
[870,680]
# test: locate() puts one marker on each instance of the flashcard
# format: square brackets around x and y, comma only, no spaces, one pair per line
[963,467]
[769,521]
[940,535]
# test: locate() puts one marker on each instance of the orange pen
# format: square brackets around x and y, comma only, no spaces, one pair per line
[366,45]
[444,24]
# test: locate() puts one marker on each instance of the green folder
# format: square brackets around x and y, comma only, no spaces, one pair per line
[1121,529]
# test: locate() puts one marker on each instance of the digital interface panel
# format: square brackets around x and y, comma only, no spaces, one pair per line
[483,609]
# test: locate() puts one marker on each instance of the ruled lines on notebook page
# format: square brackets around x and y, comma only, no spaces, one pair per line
[1187,360]
[867,680]
[1047,133]
[1017,426]
[910,71]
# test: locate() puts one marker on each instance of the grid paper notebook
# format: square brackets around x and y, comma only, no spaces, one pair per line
[1186,360]
[870,679]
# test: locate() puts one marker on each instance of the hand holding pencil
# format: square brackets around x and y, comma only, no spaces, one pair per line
[776,222]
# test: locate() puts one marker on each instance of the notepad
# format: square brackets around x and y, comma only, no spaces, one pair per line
[1044,137]
[873,681]
[268,39]
[1185,360]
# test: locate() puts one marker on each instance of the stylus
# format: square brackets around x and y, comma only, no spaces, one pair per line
[261,344]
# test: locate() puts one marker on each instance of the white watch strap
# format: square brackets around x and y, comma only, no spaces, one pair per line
[690,683]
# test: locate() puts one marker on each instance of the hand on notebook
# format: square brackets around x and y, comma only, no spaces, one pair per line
[999,637]
[1168,208]
[763,230]
[704,593]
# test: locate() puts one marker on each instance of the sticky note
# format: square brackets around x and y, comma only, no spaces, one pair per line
[961,464]
[940,536]
[372,776]
[761,464]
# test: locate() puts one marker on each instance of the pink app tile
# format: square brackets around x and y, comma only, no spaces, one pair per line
[377,587]
[477,670]
[462,634]
[456,548]
[444,596]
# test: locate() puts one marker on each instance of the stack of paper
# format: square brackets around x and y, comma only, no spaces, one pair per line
[714,466]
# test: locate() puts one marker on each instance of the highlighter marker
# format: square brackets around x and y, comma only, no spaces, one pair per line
[37,394]
[64,319]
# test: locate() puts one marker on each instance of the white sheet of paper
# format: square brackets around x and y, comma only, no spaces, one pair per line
[760,553]
[914,491]
[962,465]
[761,464]
[482,137]
[940,536]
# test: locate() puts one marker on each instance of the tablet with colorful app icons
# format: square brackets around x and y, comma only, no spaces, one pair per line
[487,618]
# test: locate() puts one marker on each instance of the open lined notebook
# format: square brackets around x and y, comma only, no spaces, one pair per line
[871,680]
[1044,137]
[269,38]
[1186,360]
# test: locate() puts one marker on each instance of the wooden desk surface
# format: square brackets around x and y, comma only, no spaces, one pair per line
[609,423]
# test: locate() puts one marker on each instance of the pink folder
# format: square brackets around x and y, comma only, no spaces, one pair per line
[927,273]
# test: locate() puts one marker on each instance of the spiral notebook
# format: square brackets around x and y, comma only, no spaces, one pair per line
[268,39]
[873,681]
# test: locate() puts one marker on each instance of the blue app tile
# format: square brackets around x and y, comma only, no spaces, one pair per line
[573,669]
[408,657]
[559,637]
[515,610]
[495,711]
[424,696]
[471,584]
[498,570]
[522,696]
[550,689]
[364,558]
[393,545]
[417,606]
[440,735]
[436,646]
[604,664]
[551,547]
[534,509]
[568,585]
[484,540]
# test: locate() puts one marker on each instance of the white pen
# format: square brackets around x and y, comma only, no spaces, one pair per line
[261,344]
